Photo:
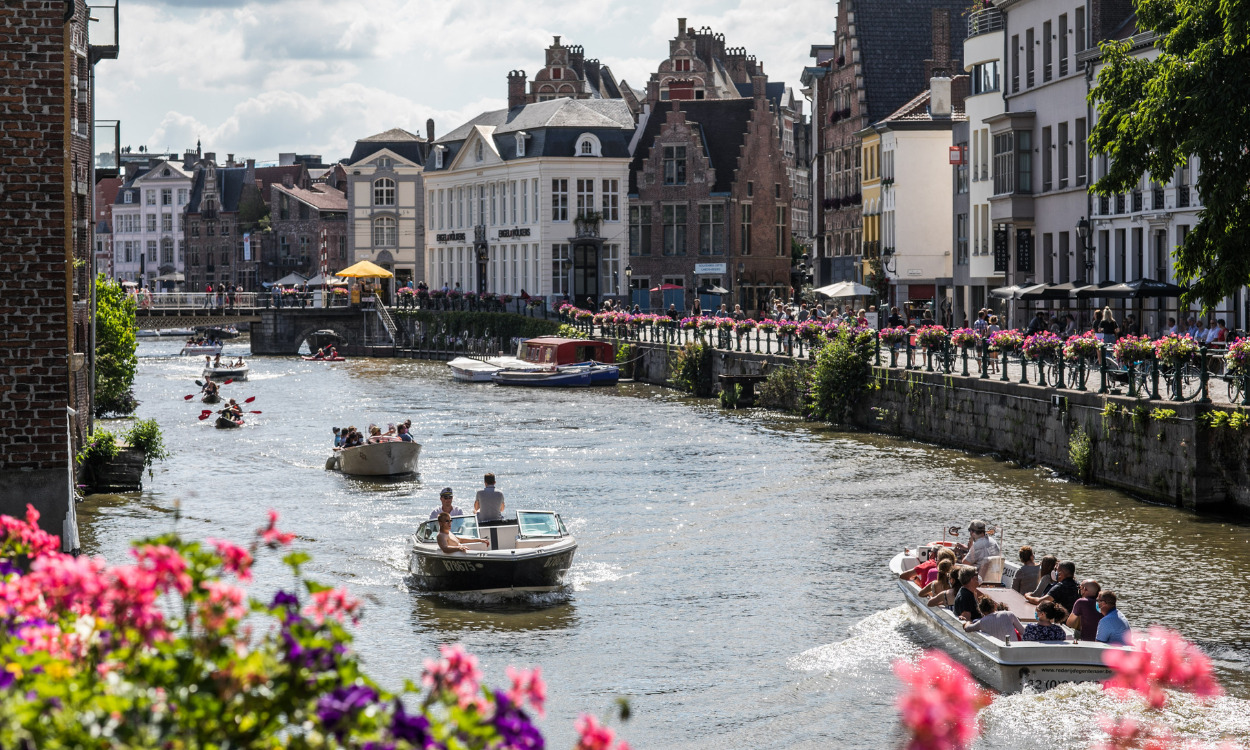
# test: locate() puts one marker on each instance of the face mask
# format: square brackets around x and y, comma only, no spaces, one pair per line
[1054,575]
[1098,607]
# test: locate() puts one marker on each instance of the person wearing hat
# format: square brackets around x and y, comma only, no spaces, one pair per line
[446,506]
[984,553]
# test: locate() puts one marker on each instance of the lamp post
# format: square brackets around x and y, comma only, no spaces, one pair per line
[629,279]
[1082,231]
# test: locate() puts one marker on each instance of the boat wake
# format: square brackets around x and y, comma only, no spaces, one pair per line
[584,574]
[871,645]
[507,601]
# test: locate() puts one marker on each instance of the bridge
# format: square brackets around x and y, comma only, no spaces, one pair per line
[199,309]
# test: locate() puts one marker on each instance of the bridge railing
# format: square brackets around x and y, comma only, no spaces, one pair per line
[194,301]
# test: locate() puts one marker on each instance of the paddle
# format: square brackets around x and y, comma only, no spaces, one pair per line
[254,412]
[188,398]
[249,400]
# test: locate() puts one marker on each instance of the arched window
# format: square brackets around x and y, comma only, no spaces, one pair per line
[385,232]
[588,148]
[587,145]
[384,192]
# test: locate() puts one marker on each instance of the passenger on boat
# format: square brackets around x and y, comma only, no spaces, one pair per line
[943,553]
[489,505]
[338,438]
[354,438]
[1046,576]
[333,353]
[984,553]
[209,389]
[321,353]
[920,573]
[404,435]
[1085,616]
[217,361]
[1026,577]
[1112,628]
[1064,591]
[940,592]
[449,542]
[995,621]
[965,607]
[375,434]
[445,505]
[233,410]
[1049,615]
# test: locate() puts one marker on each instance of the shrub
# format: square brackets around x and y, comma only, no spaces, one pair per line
[692,369]
[784,390]
[115,359]
[729,397]
[842,373]
[1081,453]
[146,435]
[101,447]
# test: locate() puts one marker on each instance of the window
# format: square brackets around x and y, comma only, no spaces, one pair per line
[1082,153]
[783,244]
[210,229]
[681,65]
[745,212]
[385,232]
[750,189]
[1063,45]
[985,78]
[961,171]
[1004,175]
[585,197]
[1078,29]
[1030,58]
[611,200]
[639,230]
[152,250]
[167,222]
[520,144]
[167,197]
[1015,63]
[284,207]
[610,269]
[674,165]
[129,248]
[1065,263]
[560,256]
[182,196]
[225,257]
[225,230]
[674,220]
[1063,155]
[1047,52]
[961,239]
[151,222]
[525,201]
[513,189]
[480,151]
[195,229]
[167,250]
[1047,159]
[534,197]
[557,74]
[151,197]
[285,245]
[586,148]
[383,192]
[481,205]
[438,157]
[712,229]
[560,200]
[430,212]
[1024,161]
[303,246]
[492,204]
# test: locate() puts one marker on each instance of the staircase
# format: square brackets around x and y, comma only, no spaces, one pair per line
[384,332]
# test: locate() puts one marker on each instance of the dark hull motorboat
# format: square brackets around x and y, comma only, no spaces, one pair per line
[532,554]
[600,373]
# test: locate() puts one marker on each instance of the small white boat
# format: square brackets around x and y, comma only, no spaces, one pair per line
[201,349]
[377,459]
[226,372]
[469,370]
[1006,666]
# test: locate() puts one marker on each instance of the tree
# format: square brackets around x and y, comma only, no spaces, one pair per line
[252,208]
[115,360]
[1188,101]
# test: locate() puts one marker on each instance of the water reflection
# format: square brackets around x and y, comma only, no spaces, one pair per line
[453,614]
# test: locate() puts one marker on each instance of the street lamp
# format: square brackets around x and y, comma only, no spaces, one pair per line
[629,279]
[1082,231]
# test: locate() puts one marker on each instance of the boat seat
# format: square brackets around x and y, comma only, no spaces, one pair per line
[501,537]
[993,569]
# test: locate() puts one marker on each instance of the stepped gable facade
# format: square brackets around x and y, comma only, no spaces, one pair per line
[567,73]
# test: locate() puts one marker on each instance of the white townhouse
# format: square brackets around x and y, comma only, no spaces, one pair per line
[983,52]
[504,193]
[148,216]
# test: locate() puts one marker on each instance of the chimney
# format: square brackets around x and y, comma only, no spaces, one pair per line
[249,174]
[940,97]
[759,86]
[681,27]
[429,130]
[229,160]
[556,43]
[288,180]
[940,63]
[210,156]
[516,89]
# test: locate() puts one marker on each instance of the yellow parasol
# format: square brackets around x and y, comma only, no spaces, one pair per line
[365,270]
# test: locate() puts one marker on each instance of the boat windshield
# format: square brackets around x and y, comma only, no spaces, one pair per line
[540,523]
[460,526]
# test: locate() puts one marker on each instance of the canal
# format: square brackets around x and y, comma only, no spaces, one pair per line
[731,577]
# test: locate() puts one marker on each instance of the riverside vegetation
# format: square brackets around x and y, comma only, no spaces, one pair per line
[115,360]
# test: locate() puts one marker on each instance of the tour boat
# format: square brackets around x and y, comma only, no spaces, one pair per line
[384,459]
[532,552]
[553,378]
[226,372]
[201,349]
[222,333]
[226,423]
[1008,667]
[544,352]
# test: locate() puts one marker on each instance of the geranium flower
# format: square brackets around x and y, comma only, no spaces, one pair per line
[1162,659]
[457,671]
[527,684]
[591,735]
[334,603]
[234,558]
[224,603]
[166,564]
[939,704]
[270,534]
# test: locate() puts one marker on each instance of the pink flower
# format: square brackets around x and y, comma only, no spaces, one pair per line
[166,564]
[457,671]
[333,603]
[225,602]
[940,703]
[234,558]
[527,684]
[270,534]
[591,735]
[1161,660]
[27,536]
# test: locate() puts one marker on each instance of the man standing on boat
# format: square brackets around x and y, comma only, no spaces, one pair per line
[984,553]
[489,504]
[445,505]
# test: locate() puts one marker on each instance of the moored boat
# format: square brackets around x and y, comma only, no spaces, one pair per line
[469,370]
[226,373]
[389,458]
[530,553]
[1006,666]
[542,353]
[226,423]
[600,373]
[553,378]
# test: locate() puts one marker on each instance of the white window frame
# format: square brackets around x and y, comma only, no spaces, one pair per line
[384,192]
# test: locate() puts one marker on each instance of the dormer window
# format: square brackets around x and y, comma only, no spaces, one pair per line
[385,163]
[587,145]
[165,173]
[481,151]
[682,65]
[557,74]
[130,197]
[520,143]
[438,157]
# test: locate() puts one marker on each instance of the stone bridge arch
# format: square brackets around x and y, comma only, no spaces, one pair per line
[282,332]
[344,336]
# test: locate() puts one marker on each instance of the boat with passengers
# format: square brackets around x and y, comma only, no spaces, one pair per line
[1007,666]
[530,553]
[546,360]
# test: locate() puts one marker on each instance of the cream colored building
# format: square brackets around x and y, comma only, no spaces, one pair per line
[385,192]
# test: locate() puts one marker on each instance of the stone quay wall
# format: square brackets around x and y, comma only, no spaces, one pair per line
[1171,456]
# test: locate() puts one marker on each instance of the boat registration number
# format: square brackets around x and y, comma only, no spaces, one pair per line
[1045,679]
[458,566]
[558,561]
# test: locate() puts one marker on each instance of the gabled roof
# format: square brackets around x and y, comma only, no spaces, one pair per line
[556,113]
[895,38]
[266,176]
[722,123]
[229,188]
[322,198]
[406,145]
[916,111]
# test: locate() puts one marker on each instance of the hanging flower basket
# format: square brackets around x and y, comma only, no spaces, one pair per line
[1083,347]
[893,337]
[1175,350]
[1134,349]
[965,338]
[1238,357]
[1006,341]
[931,337]
[1044,345]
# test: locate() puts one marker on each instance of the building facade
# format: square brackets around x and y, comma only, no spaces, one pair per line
[532,200]
[105,193]
[148,231]
[567,73]
[386,206]
[310,228]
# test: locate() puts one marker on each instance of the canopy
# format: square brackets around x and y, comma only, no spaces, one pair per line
[175,276]
[1047,291]
[365,270]
[128,282]
[1016,291]
[1085,291]
[291,279]
[845,289]
[323,280]
[661,287]
[713,290]
[1140,289]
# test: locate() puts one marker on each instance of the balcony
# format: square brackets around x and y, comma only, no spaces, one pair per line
[984,21]
[1156,199]
[102,32]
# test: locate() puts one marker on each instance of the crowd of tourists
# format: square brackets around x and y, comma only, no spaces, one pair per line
[350,437]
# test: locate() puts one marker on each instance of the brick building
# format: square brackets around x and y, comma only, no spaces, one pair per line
[567,73]
[882,54]
[310,228]
[105,193]
[46,63]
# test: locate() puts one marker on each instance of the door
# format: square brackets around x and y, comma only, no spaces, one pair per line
[586,275]
[676,297]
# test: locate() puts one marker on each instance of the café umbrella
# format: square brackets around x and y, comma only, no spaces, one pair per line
[365,270]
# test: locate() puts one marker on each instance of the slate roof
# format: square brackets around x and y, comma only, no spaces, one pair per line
[229,188]
[775,91]
[917,110]
[396,140]
[266,176]
[895,38]
[722,126]
[324,198]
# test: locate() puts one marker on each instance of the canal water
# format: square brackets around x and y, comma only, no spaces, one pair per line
[731,579]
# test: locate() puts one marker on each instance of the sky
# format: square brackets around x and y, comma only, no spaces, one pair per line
[258,77]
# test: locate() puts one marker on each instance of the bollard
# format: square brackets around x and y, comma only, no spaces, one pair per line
[1102,369]
[1059,373]
[1154,378]
[983,350]
[1005,361]
[1204,375]
[1024,369]
[1132,380]
[1080,375]
[876,358]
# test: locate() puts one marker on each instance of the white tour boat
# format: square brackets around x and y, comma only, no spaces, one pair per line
[1006,666]
[389,458]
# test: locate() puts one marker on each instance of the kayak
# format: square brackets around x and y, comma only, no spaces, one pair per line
[225,423]
[211,398]
[323,359]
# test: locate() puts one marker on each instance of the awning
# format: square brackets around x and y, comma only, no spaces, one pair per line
[1015,291]
[1141,289]
[712,290]
[176,277]
[365,270]
[845,289]
[323,280]
[291,279]
[1047,291]
[665,287]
